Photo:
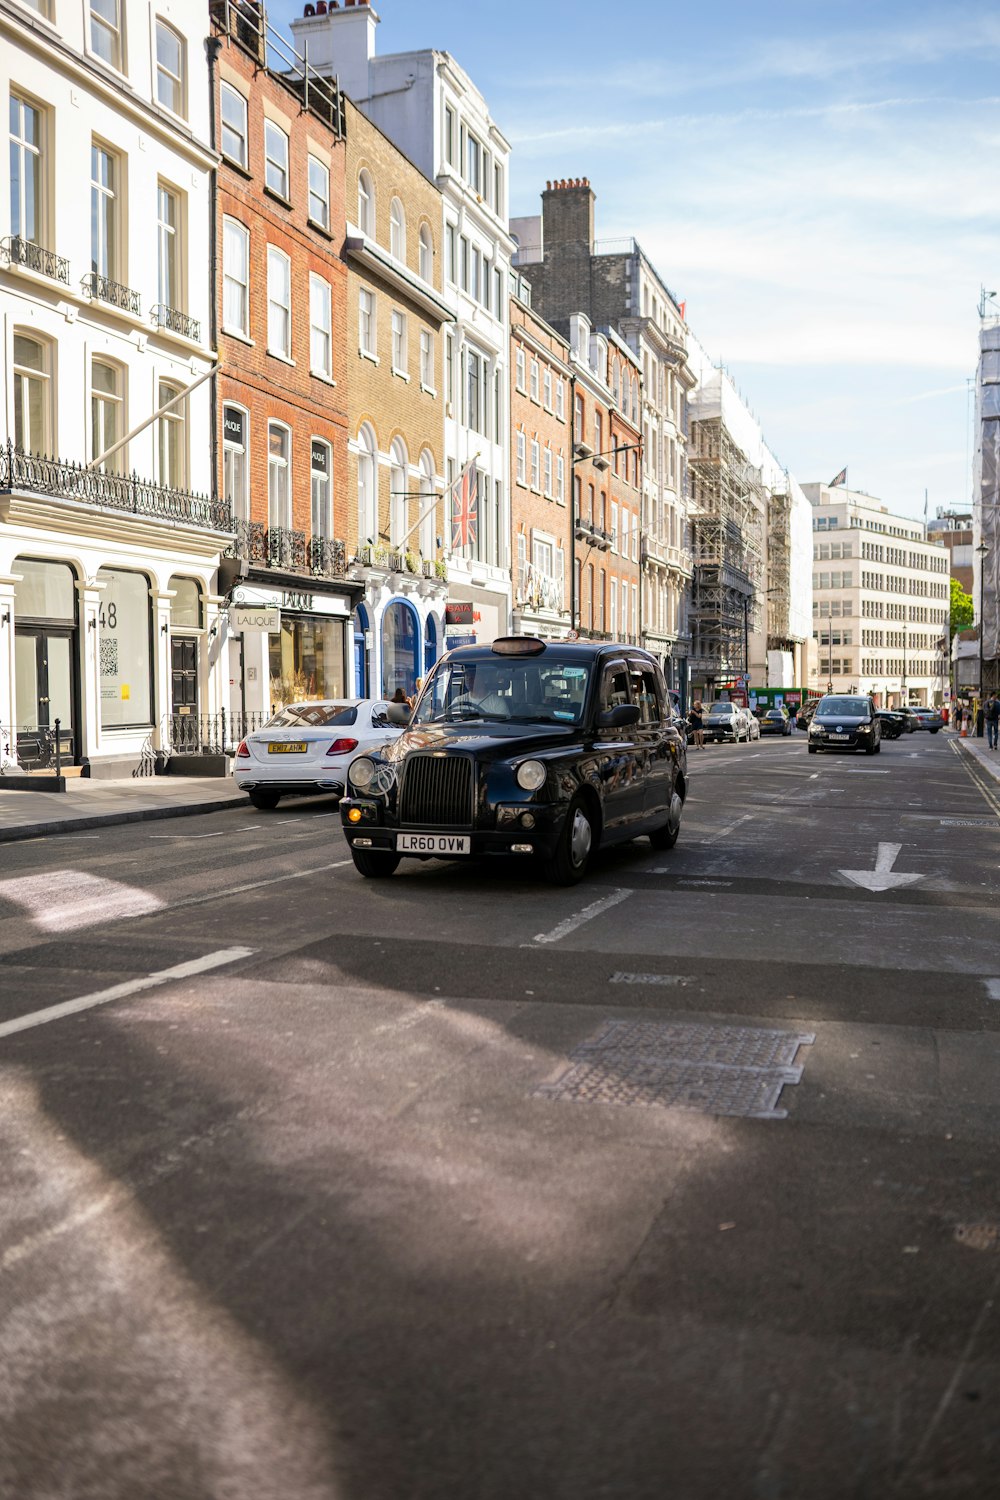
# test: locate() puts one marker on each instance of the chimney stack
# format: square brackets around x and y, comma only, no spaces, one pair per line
[568,214]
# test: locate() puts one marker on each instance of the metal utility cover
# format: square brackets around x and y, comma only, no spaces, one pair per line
[718,1070]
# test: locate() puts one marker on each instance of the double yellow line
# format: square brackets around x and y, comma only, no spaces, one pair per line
[988,792]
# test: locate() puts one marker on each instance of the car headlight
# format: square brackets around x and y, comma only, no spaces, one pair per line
[361,773]
[530,775]
[815,729]
[864,729]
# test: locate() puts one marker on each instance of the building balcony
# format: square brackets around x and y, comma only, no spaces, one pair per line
[535,590]
[176,322]
[287,551]
[397,560]
[33,474]
[103,289]
[327,557]
[16,251]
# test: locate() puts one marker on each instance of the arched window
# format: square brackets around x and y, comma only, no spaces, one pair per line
[367,491]
[362,625]
[366,204]
[428,526]
[397,230]
[400,648]
[32,395]
[279,487]
[398,497]
[426,254]
[430,644]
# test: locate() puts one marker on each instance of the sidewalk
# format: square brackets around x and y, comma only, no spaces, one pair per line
[988,759]
[92,804]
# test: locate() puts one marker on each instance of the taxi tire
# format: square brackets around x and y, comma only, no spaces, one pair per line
[375,864]
[562,868]
[265,801]
[667,836]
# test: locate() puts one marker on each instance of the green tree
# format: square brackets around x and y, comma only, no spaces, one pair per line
[961,608]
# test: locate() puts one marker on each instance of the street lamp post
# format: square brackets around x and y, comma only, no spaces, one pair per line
[829,651]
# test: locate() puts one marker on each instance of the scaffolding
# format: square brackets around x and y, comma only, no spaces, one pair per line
[779,572]
[727,511]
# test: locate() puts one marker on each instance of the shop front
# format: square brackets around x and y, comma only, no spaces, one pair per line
[46,663]
[475,616]
[294,645]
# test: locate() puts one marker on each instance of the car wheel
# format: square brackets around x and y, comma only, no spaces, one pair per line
[375,864]
[666,837]
[265,801]
[870,749]
[878,747]
[576,843]
[813,749]
[933,731]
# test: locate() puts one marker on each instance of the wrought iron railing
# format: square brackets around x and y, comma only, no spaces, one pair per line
[286,549]
[249,542]
[17,251]
[245,21]
[327,557]
[275,547]
[177,322]
[30,747]
[113,292]
[209,734]
[123,492]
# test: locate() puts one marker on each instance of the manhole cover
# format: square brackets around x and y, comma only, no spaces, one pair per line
[718,1070]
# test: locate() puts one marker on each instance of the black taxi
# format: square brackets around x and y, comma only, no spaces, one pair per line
[543,749]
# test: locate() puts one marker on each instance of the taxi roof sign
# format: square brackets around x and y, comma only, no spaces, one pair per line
[517,645]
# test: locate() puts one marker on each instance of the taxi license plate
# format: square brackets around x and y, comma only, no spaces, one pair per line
[287,747]
[433,843]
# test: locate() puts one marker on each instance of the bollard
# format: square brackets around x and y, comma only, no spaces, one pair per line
[58,748]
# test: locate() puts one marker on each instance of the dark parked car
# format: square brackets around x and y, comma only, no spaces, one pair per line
[929,718]
[893,723]
[724,721]
[911,723]
[843,722]
[804,716]
[524,747]
[775,721]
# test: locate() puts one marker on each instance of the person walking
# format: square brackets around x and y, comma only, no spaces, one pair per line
[696,723]
[980,720]
[992,721]
[957,717]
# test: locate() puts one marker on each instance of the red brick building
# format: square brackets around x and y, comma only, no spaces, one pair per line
[281,331]
[540,467]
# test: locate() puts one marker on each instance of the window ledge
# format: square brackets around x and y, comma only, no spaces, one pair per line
[320,228]
[401,374]
[367,354]
[322,375]
[428,390]
[521,483]
[237,333]
[278,197]
[236,166]
[277,354]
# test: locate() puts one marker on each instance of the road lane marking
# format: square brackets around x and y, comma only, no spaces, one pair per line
[256,885]
[651,979]
[595,909]
[722,833]
[129,987]
[882,878]
[992,988]
[66,900]
[174,836]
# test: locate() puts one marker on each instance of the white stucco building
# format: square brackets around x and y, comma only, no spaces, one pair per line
[880,600]
[430,108]
[108,609]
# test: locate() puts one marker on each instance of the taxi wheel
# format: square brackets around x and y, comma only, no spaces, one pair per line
[265,801]
[666,837]
[374,864]
[576,841]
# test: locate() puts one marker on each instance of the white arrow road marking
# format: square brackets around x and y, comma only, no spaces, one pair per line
[882,877]
[130,987]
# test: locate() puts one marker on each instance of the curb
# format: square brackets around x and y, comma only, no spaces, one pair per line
[987,766]
[103,820]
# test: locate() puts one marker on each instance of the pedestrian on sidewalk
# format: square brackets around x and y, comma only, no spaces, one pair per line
[992,721]
[959,713]
[696,724]
[980,721]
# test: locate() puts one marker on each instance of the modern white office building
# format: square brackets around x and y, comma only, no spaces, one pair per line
[880,600]
[430,108]
[109,540]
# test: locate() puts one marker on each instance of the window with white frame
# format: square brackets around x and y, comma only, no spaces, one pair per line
[234,125]
[547,388]
[320,327]
[366,204]
[614,527]
[450,254]
[474,164]
[399,351]
[547,473]
[498,189]
[276,159]
[171,438]
[235,469]
[397,230]
[535,464]
[108,414]
[449,135]
[598,432]
[449,368]
[560,478]
[427,359]
[319,192]
[367,489]
[28,199]
[106,31]
[427,532]
[520,376]
[279,303]
[522,459]
[366,321]
[426,254]
[399,500]
[321,487]
[560,399]
[279,490]
[168,250]
[33,415]
[625,629]
[476,404]
[534,380]
[614,607]
[170,60]
[235,277]
[635,537]
[104,211]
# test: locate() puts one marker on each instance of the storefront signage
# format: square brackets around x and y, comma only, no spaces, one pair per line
[459,639]
[291,599]
[249,619]
[458,614]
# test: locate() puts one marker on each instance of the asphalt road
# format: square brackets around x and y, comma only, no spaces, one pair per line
[342,1211]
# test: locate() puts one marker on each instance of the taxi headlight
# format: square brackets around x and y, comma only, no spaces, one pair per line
[530,775]
[361,773]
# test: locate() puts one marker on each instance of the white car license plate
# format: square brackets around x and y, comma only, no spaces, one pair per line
[433,843]
[841,734]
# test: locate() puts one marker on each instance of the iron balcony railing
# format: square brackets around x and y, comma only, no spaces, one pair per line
[105,290]
[208,734]
[176,322]
[246,23]
[17,251]
[120,492]
[274,547]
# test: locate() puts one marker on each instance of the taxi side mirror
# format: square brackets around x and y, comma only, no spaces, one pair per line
[619,717]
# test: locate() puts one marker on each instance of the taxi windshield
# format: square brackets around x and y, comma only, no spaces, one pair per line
[535,691]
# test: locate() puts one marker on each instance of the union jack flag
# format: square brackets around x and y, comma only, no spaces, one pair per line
[840,478]
[464,508]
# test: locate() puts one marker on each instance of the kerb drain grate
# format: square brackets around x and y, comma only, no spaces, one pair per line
[716,1070]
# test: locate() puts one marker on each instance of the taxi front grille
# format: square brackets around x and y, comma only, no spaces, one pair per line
[437,791]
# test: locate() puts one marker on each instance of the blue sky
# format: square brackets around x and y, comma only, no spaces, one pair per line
[818,183]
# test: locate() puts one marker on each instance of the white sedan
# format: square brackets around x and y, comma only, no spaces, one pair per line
[305,749]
